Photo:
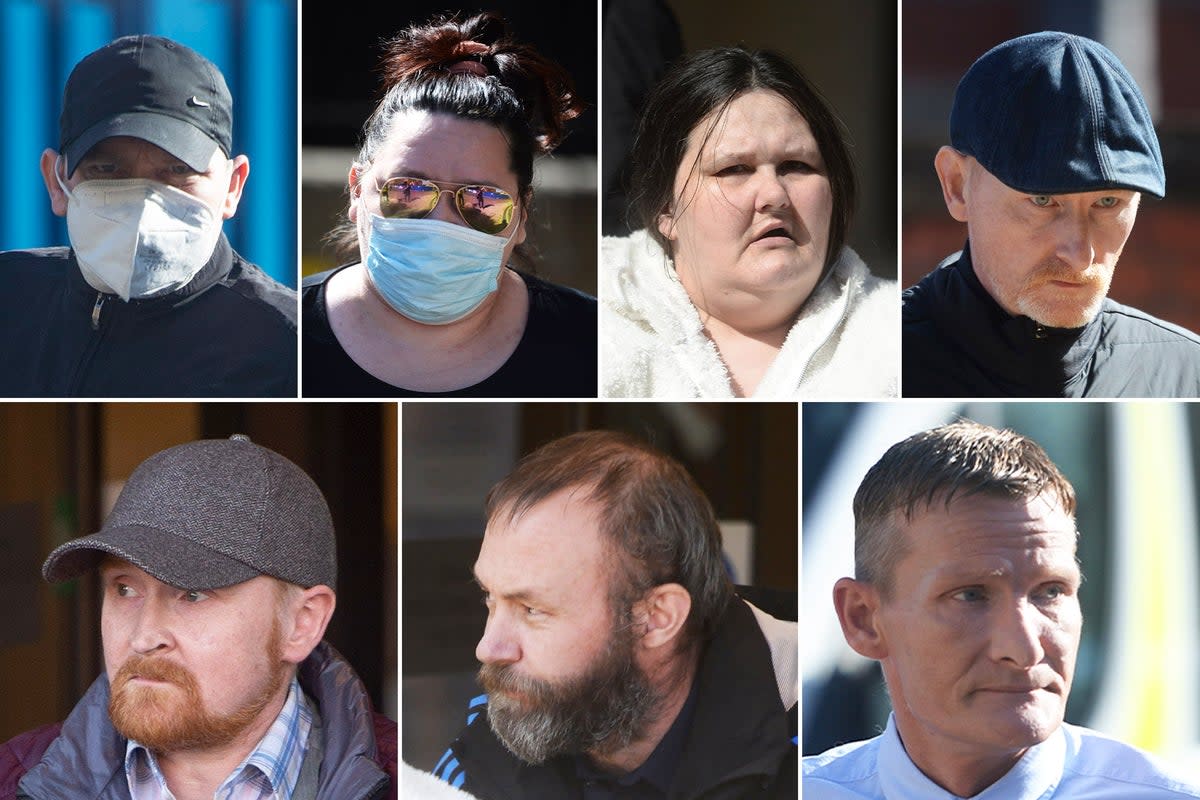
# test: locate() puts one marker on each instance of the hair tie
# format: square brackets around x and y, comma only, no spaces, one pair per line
[470,56]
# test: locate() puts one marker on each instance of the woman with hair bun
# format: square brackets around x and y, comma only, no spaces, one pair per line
[439,205]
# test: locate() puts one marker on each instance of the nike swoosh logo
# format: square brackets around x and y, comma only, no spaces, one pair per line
[197,102]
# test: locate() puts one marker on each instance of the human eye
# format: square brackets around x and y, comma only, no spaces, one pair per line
[95,169]
[123,589]
[1041,200]
[1051,592]
[1108,202]
[532,612]
[732,170]
[970,594]
[797,167]
[194,597]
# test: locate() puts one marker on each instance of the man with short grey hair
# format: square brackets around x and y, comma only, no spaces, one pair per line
[966,591]
[218,572]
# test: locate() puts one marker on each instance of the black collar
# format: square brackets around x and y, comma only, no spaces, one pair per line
[219,265]
[659,769]
[1021,356]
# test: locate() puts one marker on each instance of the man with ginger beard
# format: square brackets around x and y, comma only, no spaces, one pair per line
[617,660]
[1051,150]
[217,567]
[966,591]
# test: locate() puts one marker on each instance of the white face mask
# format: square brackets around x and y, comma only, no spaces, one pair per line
[138,238]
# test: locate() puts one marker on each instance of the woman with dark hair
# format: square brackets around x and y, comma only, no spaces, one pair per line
[431,304]
[738,281]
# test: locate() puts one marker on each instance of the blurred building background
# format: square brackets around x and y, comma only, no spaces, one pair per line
[252,42]
[743,456]
[342,52]
[1134,469]
[62,467]
[1155,39]
[847,49]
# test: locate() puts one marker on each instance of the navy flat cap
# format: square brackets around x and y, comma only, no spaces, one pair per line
[1056,113]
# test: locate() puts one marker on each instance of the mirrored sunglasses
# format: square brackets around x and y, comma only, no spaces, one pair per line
[485,208]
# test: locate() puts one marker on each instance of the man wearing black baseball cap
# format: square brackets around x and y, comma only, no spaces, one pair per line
[149,300]
[1051,149]
[218,568]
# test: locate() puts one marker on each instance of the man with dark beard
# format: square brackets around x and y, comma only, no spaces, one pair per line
[617,660]
[1051,148]
[217,567]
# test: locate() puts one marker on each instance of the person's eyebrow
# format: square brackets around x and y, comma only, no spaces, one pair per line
[522,595]
[794,150]
[416,173]
[966,573]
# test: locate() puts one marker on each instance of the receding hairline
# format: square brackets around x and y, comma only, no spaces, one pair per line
[510,510]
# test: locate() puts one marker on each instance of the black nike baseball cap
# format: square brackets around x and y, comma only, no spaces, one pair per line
[150,88]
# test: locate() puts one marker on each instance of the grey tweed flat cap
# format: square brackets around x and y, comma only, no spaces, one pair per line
[213,513]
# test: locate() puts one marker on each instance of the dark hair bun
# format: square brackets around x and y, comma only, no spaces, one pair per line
[447,48]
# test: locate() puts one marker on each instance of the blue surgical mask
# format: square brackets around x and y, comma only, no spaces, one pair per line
[432,271]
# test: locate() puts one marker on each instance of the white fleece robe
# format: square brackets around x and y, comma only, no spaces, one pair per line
[845,345]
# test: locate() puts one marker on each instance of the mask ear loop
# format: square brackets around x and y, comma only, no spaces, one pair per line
[61,183]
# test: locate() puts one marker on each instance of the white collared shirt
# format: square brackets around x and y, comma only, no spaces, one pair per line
[1073,763]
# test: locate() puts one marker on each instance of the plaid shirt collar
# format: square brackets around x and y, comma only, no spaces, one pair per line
[268,773]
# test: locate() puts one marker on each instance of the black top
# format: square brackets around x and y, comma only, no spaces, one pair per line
[230,332]
[556,356]
[958,342]
[652,780]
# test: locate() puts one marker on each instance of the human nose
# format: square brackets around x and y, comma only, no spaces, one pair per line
[1075,242]
[443,208]
[498,645]
[1017,636]
[770,193]
[151,631]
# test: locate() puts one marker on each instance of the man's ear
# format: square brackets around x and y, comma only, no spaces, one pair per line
[237,183]
[58,198]
[662,612]
[952,168]
[857,605]
[307,616]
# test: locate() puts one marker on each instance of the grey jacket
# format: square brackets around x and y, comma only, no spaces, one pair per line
[344,760]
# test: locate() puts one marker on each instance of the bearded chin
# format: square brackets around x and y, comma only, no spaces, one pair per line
[170,715]
[601,711]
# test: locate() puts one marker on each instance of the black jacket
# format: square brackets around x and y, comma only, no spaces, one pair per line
[958,342]
[231,332]
[742,742]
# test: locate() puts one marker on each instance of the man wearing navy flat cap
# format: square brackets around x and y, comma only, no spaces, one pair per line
[150,299]
[217,567]
[1051,149]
